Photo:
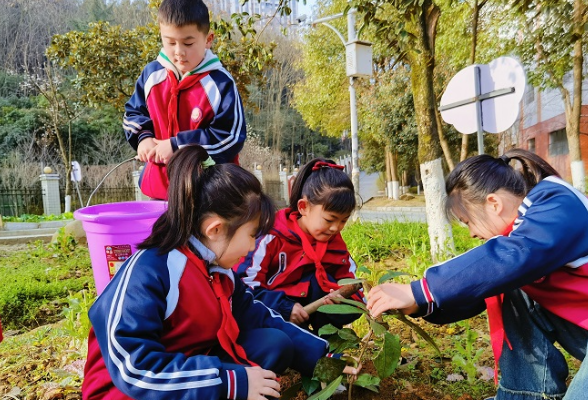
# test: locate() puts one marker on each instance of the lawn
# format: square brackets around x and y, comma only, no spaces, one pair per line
[47,290]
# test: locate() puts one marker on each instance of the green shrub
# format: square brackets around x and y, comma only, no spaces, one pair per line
[36,282]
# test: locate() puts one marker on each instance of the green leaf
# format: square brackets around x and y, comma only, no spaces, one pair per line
[340,309]
[328,369]
[349,281]
[348,335]
[368,381]
[387,359]
[418,330]
[328,391]
[378,328]
[391,275]
[327,330]
[310,385]
[355,303]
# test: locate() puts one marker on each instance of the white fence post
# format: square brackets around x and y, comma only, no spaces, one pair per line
[50,191]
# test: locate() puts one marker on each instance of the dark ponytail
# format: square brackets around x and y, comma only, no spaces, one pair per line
[196,192]
[326,185]
[475,178]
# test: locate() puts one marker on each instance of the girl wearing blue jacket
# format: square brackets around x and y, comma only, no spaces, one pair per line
[174,323]
[531,274]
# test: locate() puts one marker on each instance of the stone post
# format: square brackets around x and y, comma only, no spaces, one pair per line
[258,173]
[50,192]
[139,196]
[284,182]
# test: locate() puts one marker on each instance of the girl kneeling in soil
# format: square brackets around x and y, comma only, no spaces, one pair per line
[531,273]
[304,255]
[174,323]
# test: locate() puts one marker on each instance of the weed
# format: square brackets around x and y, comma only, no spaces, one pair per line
[77,323]
[63,243]
[467,356]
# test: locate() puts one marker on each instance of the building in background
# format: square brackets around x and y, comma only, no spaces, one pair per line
[265,8]
[542,126]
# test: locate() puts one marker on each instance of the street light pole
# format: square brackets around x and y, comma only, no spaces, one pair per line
[351,39]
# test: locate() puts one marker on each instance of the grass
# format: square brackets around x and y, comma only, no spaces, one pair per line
[36,282]
[47,290]
[38,218]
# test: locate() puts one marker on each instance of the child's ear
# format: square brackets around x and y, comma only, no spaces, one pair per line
[209,39]
[303,206]
[494,203]
[213,228]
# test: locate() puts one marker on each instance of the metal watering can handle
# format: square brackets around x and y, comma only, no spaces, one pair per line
[106,176]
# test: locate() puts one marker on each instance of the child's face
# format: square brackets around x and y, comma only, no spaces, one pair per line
[320,224]
[493,217]
[229,252]
[185,46]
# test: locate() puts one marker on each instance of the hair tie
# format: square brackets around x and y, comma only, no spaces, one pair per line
[505,159]
[322,164]
[209,162]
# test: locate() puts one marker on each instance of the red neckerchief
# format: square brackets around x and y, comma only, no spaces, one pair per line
[315,255]
[228,332]
[495,322]
[172,107]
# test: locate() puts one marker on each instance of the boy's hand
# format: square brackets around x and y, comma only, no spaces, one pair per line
[145,146]
[298,315]
[262,383]
[162,152]
[391,296]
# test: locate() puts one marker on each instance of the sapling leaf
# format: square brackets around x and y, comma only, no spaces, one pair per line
[327,330]
[310,385]
[418,330]
[339,345]
[340,309]
[368,381]
[355,303]
[328,368]
[378,328]
[391,275]
[364,270]
[387,359]
[349,281]
[348,335]
[328,391]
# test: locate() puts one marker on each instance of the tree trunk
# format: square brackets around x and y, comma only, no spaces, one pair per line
[574,106]
[422,62]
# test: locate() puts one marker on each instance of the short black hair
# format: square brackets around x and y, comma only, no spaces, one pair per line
[184,12]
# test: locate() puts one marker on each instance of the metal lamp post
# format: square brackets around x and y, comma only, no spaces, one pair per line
[358,57]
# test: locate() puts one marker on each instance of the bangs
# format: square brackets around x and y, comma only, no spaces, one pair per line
[339,201]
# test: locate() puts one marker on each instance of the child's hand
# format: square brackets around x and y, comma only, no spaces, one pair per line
[332,297]
[391,296]
[262,383]
[162,152]
[145,146]
[298,315]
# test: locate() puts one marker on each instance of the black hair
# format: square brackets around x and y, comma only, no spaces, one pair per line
[184,12]
[475,178]
[326,186]
[196,192]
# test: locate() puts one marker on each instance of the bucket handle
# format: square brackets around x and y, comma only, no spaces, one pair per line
[106,176]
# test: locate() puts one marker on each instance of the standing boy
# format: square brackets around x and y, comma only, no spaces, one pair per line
[183,97]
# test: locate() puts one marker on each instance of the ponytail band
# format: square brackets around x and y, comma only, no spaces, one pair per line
[505,159]
[209,162]
[322,164]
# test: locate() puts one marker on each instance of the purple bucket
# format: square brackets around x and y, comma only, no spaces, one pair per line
[113,231]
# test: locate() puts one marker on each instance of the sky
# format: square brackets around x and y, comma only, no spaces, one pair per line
[306,9]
